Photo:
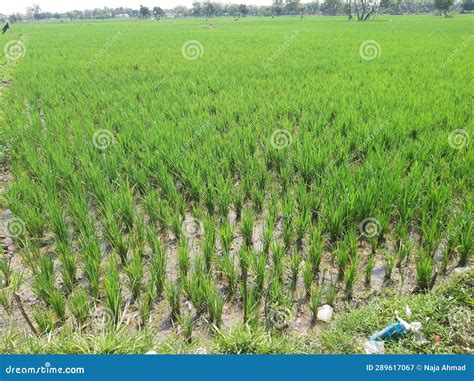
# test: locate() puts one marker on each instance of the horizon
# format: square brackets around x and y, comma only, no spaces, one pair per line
[59,6]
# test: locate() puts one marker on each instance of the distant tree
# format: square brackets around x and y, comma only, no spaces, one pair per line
[467,5]
[71,15]
[144,12]
[277,7]
[312,8]
[158,12]
[243,10]
[196,10]
[443,6]
[292,7]
[365,9]
[330,7]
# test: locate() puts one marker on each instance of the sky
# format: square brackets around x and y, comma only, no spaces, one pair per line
[13,6]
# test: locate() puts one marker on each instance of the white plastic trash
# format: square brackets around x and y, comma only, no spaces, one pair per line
[325,313]
[373,347]
[151,353]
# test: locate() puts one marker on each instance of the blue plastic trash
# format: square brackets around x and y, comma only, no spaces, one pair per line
[389,332]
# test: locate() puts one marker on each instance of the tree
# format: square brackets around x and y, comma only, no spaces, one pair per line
[467,6]
[277,7]
[144,12]
[443,6]
[158,12]
[197,11]
[365,9]
[292,6]
[243,10]
[330,7]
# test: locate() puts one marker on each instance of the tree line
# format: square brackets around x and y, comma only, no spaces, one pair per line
[362,10]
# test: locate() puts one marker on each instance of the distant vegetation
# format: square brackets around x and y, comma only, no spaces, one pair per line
[359,9]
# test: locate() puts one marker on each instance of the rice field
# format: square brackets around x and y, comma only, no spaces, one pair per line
[190,178]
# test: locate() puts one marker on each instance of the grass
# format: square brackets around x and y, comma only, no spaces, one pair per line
[234,183]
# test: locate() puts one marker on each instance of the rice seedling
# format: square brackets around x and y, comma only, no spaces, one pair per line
[342,258]
[43,282]
[226,235]
[369,269]
[197,291]
[44,319]
[58,304]
[277,256]
[424,271]
[134,272]
[350,276]
[316,251]
[183,258]
[331,293]
[173,295]
[5,271]
[259,266]
[227,266]
[389,263]
[215,305]
[314,303]
[113,290]
[295,263]
[247,228]
[79,306]
[186,325]
[268,234]
[69,266]
[308,277]
[146,303]
[465,242]
[244,259]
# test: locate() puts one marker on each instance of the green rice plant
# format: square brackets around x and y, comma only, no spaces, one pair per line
[173,296]
[125,204]
[302,221]
[226,235]
[186,325]
[197,290]
[287,236]
[465,242]
[177,226]
[6,271]
[268,234]
[259,265]
[113,232]
[331,293]
[113,290]
[247,228]
[342,258]
[229,272]
[183,258]
[57,220]
[43,281]
[134,272]
[424,271]
[157,263]
[277,256]
[69,266]
[30,255]
[314,303]
[238,202]
[295,263]
[79,306]
[209,243]
[258,198]
[389,261]
[403,251]
[244,260]
[58,304]
[215,305]
[350,276]
[369,269]
[44,319]
[316,251]
[5,300]
[308,277]
[146,303]
[91,264]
